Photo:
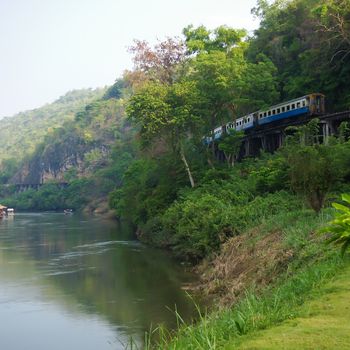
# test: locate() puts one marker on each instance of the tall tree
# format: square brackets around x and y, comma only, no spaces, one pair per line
[167,113]
[309,43]
[160,63]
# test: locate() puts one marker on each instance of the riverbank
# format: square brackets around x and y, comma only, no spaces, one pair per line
[324,322]
[261,279]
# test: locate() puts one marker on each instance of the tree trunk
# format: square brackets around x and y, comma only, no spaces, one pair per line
[188,170]
[210,163]
[228,158]
[233,161]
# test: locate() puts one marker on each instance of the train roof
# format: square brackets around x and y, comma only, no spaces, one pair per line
[289,101]
[275,106]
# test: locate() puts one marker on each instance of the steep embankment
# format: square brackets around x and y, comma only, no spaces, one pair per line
[264,277]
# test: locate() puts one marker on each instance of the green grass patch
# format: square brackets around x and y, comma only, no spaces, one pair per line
[324,322]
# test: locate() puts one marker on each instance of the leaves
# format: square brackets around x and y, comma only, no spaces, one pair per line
[339,227]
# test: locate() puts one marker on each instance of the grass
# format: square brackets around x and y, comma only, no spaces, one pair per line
[324,323]
[230,329]
[313,265]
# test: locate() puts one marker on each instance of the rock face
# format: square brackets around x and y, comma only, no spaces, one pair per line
[53,160]
[77,148]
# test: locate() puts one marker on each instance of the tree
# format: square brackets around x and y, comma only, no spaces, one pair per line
[333,20]
[159,63]
[115,91]
[313,168]
[168,113]
[201,39]
[309,43]
[228,84]
[230,144]
[312,173]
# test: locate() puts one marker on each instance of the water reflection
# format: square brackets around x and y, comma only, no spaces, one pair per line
[83,283]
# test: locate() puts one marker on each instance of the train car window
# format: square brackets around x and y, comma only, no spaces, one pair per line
[269,113]
[304,103]
[293,106]
[298,105]
[283,109]
[288,108]
[273,111]
[278,110]
[265,114]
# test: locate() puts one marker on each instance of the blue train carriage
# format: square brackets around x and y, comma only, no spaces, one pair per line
[216,135]
[312,104]
[241,123]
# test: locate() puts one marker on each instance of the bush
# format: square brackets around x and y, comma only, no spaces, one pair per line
[339,228]
[195,225]
[198,223]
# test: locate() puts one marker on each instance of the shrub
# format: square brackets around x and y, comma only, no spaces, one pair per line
[195,225]
[339,228]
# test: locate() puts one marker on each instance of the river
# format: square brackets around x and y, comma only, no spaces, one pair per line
[72,282]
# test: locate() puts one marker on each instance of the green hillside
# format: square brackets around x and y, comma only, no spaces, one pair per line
[21,133]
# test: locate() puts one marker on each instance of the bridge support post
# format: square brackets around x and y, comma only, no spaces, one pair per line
[280,139]
[326,131]
[247,148]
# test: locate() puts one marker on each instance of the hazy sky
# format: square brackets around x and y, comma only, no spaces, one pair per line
[48,47]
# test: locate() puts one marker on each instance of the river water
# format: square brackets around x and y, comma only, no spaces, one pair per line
[71,282]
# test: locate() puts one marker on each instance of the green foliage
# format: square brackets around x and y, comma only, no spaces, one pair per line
[228,84]
[344,131]
[147,189]
[21,133]
[271,174]
[115,91]
[308,41]
[202,39]
[339,227]
[312,173]
[200,221]
[197,224]
[8,169]
[230,144]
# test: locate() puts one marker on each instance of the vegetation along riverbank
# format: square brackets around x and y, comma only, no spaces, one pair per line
[152,149]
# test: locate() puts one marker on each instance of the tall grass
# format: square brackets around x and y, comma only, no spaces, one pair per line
[254,312]
[312,265]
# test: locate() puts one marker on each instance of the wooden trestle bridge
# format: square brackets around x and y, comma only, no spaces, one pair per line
[270,137]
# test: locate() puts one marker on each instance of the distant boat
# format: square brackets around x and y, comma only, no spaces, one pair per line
[68,211]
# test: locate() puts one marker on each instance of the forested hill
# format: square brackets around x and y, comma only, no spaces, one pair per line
[87,143]
[21,133]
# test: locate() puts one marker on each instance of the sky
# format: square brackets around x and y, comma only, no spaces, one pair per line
[48,47]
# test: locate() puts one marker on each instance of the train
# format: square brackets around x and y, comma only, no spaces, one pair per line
[311,104]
